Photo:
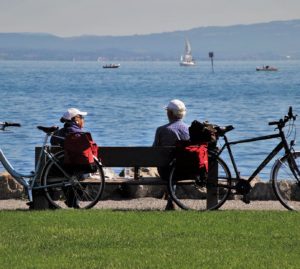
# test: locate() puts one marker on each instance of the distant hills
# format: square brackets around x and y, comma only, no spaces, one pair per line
[272,41]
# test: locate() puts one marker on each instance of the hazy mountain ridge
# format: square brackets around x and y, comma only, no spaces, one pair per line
[274,40]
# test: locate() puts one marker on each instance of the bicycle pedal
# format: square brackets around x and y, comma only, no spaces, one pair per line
[243,187]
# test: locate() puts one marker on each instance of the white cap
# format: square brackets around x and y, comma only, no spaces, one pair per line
[177,107]
[72,112]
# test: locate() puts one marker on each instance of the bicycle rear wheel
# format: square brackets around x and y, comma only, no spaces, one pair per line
[77,190]
[194,193]
[285,184]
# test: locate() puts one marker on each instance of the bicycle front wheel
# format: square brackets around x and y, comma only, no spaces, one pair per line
[193,193]
[284,181]
[76,189]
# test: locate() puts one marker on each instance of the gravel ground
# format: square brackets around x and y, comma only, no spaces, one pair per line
[152,204]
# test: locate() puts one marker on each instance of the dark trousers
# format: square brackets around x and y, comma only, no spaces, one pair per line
[164,173]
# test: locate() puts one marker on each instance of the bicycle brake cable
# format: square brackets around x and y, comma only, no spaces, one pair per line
[293,133]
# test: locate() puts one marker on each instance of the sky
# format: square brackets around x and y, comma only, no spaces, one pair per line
[129,17]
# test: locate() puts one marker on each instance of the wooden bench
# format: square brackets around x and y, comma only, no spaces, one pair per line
[136,157]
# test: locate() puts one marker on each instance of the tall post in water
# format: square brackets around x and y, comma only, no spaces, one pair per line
[211,56]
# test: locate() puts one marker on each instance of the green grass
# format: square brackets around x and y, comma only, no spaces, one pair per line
[129,239]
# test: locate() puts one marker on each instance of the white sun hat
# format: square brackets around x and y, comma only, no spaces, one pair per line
[72,112]
[177,107]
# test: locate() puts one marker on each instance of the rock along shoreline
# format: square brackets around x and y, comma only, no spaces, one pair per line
[262,197]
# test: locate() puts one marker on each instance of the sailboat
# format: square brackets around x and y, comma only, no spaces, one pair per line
[187,58]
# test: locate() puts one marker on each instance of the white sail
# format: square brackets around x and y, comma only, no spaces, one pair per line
[188,49]
[187,58]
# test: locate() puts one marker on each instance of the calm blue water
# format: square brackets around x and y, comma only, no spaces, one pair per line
[125,105]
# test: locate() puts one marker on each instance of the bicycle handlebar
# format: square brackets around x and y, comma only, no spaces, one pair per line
[5,124]
[281,123]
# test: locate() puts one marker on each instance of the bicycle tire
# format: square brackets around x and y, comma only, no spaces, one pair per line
[79,190]
[285,184]
[188,194]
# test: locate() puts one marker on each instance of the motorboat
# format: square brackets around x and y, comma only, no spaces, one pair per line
[187,58]
[266,68]
[111,65]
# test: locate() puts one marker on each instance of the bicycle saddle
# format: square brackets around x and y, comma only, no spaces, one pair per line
[222,130]
[48,130]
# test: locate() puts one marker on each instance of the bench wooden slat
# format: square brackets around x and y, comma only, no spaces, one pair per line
[144,181]
[135,156]
[130,156]
[141,181]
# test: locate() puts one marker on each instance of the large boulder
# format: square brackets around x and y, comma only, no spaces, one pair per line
[262,191]
[110,191]
[9,188]
[136,191]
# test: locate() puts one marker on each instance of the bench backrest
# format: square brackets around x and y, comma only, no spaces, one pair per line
[136,156]
[130,156]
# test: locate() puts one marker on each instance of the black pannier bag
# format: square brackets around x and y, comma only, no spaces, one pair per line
[192,156]
[191,160]
[203,132]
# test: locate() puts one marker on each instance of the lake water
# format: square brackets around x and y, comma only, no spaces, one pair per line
[125,105]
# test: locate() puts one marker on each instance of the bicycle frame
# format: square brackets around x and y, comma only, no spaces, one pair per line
[282,144]
[10,169]
[28,181]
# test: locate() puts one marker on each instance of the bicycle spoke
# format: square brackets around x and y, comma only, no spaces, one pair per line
[82,190]
[286,186]
[201,194]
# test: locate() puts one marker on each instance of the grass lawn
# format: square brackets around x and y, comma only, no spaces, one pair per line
[149,239]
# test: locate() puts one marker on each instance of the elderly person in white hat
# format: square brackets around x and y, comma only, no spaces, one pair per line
[170,133]
[176,129]
[73,120]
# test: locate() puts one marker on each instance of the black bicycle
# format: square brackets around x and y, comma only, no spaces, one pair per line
[211,192]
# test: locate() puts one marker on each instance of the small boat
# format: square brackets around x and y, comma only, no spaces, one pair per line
[187,58]
[111,66]
[266,68]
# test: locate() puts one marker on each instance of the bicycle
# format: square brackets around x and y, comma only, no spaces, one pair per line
[211,192]
[56,181]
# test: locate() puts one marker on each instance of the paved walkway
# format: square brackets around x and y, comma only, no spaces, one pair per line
[153,204]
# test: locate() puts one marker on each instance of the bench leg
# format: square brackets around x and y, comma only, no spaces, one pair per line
[212,179]
[40,201]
